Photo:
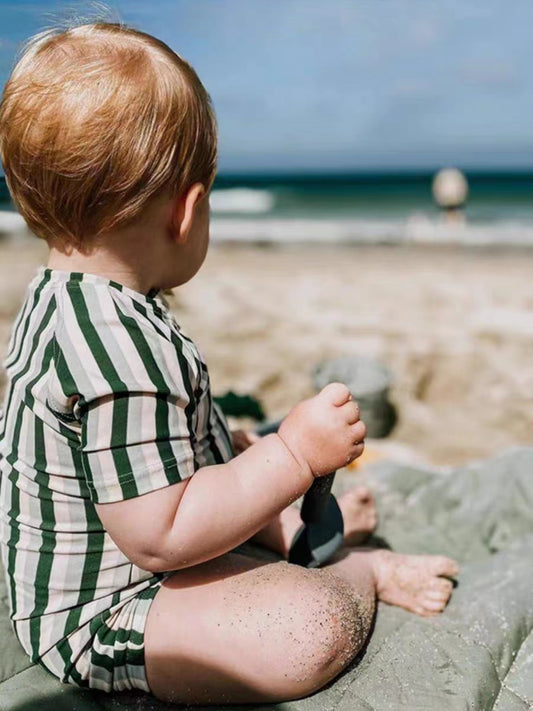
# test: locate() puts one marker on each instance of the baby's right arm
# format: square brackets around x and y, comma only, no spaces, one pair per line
[223,505]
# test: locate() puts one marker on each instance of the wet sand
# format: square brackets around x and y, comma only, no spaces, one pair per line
[455,325]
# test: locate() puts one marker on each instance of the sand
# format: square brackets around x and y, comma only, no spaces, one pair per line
[454,325]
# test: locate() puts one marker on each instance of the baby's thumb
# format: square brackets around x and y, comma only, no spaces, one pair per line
[336,394]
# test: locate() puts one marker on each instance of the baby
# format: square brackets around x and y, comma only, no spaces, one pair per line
[121,498]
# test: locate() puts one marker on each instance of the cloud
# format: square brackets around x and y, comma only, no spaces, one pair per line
[490,73]
[425,32]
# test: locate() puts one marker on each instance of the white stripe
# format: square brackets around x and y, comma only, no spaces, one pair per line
[80,359]
[116,340]
[16,332]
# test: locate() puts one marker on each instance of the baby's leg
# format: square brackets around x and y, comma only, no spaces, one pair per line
[237,630]
[418,583]
[358,511]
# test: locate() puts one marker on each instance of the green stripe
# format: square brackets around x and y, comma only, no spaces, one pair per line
[99,629]
[11,458]
[11,364]
[188,378]
[156,310]
[13,454]
[119,437]
[93,340]
[93,555]
[46,550]
[219,457]
[186,374]
[133,329]
[107,637]
[13,538]
[116,385]
[95,537]
[26,320]
[65,652]
[69,389]
[22,315]
[213,445]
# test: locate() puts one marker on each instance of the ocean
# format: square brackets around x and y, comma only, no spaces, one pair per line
[370,207]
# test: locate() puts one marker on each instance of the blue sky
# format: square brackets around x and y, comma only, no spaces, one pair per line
[342,84]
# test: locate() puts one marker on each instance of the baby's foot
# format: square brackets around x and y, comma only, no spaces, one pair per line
[414,582]
[359,514]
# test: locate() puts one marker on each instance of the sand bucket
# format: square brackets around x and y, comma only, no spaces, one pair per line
[368,381]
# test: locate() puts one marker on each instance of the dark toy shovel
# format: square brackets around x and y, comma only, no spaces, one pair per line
[322,531]
[323,528]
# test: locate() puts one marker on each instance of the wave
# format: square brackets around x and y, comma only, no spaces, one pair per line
[242,200]
[11,223]
[417,229]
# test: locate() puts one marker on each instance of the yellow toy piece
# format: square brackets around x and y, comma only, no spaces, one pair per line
[369,455]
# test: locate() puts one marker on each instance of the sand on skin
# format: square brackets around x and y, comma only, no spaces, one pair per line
[454,324]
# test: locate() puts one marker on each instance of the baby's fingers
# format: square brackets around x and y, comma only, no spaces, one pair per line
[350,412]
[355,451]
[358,432]
[335,393]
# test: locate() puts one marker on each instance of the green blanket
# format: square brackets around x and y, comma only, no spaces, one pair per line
[477,655]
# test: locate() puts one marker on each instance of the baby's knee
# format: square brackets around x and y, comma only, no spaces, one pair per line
[332,626]
[340,623]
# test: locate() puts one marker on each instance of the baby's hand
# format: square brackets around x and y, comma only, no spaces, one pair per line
[325,431]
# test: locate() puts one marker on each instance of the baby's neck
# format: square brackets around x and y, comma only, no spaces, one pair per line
[126,271]
[98,263]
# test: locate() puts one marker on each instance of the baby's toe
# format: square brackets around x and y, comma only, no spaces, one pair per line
[435,605]
[435,596]
[422,610]
[359,495]
[363,493]
[441,565]
[440,585]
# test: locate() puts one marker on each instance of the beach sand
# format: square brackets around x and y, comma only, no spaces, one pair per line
[453,324]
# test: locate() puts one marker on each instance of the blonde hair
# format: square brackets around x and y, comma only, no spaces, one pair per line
[96,121]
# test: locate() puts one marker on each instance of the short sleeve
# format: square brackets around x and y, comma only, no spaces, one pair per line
[131,391]
[214,442]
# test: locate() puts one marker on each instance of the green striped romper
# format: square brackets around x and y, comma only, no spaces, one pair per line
[106,399]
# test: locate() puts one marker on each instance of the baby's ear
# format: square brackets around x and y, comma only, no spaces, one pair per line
[183,211]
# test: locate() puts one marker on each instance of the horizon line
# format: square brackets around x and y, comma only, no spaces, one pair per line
[370,170]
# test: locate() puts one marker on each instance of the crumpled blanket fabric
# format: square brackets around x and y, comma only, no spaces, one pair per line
[477,655]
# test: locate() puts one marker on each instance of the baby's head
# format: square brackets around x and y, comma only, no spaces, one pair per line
[96,123]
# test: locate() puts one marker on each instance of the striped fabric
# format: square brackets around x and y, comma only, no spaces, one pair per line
[106,399]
